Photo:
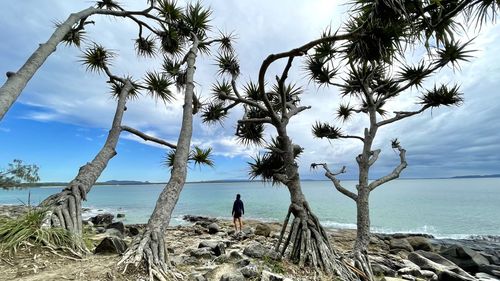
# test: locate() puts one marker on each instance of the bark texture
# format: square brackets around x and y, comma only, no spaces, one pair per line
[65,207]
[307,241]
[149,249]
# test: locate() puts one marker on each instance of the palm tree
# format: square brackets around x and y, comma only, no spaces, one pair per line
[65,207]
[381,33]
[190,26]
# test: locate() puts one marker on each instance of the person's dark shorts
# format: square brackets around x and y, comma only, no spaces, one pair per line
[237,215]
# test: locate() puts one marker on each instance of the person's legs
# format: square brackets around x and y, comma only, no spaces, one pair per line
[234,222]
[241,224]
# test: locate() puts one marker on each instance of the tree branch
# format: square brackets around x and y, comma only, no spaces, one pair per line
[255,120]
[148,137]
[373,157]
[296,111]
[395,173]
[401,115]
[336,182]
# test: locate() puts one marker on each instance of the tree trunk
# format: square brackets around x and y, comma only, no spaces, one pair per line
[149,248]
[307,239]
[16,82]
[360,252]
[65,207]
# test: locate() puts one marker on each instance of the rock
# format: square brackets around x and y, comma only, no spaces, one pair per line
[444,269]
[485,277]
[263,230]
[233,276]
[100,229]
[111,245]
[133,231]
[118,226]
[392,279]
[490,269]
[269,276]
[112,232]
[101,219]
[400,244]
[213,228]
[200,220]
[120,215]
[468,259]
[242,262]
[221,259]
[217,247]
[87,222]
[256,250]
[189,260]
[235,255]
[419,243]
[250,271]
[196,277]
[382,270]
[205,253]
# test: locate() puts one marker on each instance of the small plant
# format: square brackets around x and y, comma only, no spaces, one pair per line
[275,266]
[28,230]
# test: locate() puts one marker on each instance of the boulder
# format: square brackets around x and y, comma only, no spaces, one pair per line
[393,279]
[113,232]
[269,276]
[111,245]
[444,269]
[490,269]
[233,276]
[219,248]
[255,250]
[382,270]
[133,231]
[468,259]
[196,277]
[120,215]
[250,271]
[485,277]
[102,219]
[213,228]
[263,230]
[100,229]
[419,243]
[205,253]
[400,244]
[118,226]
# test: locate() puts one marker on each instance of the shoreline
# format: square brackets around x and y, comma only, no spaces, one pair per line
[208,249]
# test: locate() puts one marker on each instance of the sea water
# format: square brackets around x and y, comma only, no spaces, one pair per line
[454,208]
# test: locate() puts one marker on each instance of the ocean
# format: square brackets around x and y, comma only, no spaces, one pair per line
[445,208]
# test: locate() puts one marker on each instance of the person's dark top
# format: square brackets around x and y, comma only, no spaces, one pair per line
[238,208]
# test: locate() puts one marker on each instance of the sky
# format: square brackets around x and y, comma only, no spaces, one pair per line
[61,119]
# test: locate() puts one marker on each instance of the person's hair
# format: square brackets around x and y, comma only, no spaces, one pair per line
[238,196]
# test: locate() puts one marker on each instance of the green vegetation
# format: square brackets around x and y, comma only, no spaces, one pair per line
[17,173]
[28,230]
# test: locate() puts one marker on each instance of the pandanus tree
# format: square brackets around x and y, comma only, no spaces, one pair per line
[190,26]
[65,207]
[307,242]
[372,70]
[18,173]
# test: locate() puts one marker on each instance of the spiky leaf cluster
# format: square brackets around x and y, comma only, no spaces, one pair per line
[251,91]
[96,58]
[250,134]
[442,95]
[158,85]
[145,46]
[198,156]
[108,5]
[325,130]
[214,112]
[414,74]
[117,87]
[453,52]
[266,165]
[228,64]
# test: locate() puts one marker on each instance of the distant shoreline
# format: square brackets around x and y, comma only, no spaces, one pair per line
[119,182]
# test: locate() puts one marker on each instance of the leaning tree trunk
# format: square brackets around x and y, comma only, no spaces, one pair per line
[16,81]
[149,248]
[307,241]
[360,251]
[65,207]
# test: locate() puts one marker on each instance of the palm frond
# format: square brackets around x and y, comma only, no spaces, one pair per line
[222,89]
[344,112]
[171,67]
[96,58]
[483,12]
[442,95]
[226,42]
[249,134]
[265,166]
[197,18]
[414,74]
[213,112]
[453,52]
[168,161]
[169,10]
[158,86]
[319,71]
[74,37]
[117,87]
[145,46]
[201,156]
[251,91]
[171,41]
[108,5]
[228,64]
[325,130]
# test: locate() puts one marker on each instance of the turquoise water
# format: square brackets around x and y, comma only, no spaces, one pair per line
[442,207]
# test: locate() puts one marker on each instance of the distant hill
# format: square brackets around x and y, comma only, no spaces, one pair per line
[477,176]
[110,182]
[117,182]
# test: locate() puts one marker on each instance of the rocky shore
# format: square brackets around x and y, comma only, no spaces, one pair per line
[209,249]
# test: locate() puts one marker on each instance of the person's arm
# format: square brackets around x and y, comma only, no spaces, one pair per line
[234,208]
[242,208]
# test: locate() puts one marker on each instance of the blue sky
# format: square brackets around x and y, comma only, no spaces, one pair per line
[62,117]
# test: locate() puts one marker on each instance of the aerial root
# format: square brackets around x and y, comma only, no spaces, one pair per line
[149,251]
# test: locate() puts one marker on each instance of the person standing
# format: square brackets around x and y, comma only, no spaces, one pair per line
[238,211]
